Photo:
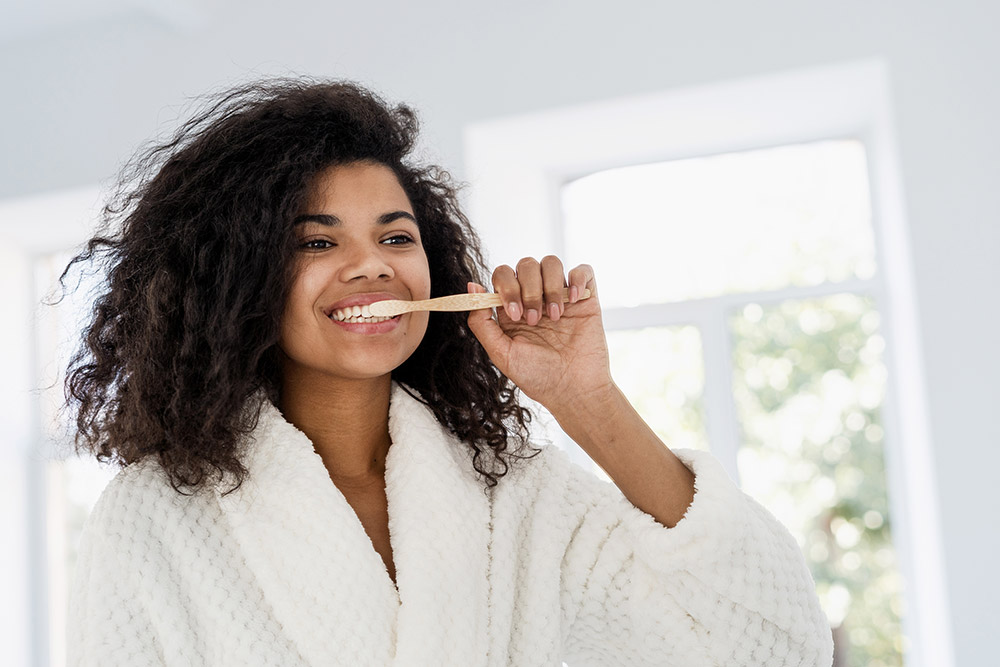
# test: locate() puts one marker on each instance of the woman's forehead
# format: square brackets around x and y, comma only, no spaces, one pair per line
[357,186]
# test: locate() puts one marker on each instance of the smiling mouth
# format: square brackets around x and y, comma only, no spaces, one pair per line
[356,315]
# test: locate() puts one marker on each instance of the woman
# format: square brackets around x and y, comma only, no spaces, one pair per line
[304,485]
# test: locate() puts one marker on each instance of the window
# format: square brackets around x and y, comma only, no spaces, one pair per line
[779,329]
[72,483]
[758,240]
[50,491]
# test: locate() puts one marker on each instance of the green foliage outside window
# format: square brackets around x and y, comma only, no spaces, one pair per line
[809,384]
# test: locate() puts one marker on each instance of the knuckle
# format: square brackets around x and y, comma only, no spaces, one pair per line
[551,260]
[533,295]
[583,271]
[503,270]
[526,262]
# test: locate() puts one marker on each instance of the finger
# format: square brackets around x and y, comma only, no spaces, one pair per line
[488,332]
[481,313]
[581,277]
[529,275]
[553,282]
[505,284]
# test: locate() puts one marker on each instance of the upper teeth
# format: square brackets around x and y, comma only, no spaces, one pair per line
[356,314]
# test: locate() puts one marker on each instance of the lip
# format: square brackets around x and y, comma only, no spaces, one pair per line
[360,299]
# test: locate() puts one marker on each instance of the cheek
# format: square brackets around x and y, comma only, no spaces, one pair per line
[420,325]
[301,297]
[421,278]
[312,277]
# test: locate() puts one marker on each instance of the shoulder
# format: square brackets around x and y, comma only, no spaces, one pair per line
[549,473]
[556,482]
[139,504]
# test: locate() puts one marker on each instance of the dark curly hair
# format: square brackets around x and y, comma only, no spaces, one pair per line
[196,246]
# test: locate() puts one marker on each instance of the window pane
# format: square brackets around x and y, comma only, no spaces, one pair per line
[738,222]
[809,383]
[660,371]
[74,485]
[59,325]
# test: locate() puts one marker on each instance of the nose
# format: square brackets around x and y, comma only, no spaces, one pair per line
[366,262]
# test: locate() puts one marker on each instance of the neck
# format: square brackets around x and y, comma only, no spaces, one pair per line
[347,422]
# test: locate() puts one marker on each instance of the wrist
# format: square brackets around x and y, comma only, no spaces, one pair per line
[589,415]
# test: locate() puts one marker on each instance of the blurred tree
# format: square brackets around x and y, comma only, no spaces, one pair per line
[809,383]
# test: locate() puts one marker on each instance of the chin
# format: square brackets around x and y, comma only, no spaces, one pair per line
[361,368]
[357,360]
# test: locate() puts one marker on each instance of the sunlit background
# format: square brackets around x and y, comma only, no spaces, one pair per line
[752,235]
[814,305]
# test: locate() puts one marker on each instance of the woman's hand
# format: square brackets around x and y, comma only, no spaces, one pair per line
[557,355]
[555,352]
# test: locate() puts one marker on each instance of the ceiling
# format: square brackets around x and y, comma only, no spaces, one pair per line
[24,20]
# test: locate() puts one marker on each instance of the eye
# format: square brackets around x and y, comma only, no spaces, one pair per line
[399,239]
[316,244]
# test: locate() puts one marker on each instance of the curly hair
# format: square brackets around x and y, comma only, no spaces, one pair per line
[197,246]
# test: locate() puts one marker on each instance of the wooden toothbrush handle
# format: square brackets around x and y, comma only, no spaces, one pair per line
[452,303]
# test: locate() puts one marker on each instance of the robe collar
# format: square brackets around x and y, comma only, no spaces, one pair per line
[319,574]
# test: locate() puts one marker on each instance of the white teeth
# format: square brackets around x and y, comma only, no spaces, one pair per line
[356,315]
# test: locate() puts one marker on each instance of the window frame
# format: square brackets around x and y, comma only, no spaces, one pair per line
[535,154]
[33,228]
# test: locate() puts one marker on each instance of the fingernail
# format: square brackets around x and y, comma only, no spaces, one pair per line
[553,312]
[514,311]
[532,317]
[574,293]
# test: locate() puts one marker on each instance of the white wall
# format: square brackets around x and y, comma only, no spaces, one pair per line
[16,549]
[73,105]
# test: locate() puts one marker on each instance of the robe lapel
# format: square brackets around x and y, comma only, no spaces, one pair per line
[439,527]
[316,567]
[318,571]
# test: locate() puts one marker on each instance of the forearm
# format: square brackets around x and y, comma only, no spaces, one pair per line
[613,434]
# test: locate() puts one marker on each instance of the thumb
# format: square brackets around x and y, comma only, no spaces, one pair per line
[488,331]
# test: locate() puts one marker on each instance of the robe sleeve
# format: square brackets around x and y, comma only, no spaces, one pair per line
[727,585]
[108,624]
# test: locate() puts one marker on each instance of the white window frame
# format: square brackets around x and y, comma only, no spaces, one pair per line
[517,166]
[31,228]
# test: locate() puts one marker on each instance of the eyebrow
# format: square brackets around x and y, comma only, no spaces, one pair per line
[334,221]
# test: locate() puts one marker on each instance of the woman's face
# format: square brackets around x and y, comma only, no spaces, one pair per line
[358,242]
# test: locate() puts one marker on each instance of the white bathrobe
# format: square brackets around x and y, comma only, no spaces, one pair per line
[556,566]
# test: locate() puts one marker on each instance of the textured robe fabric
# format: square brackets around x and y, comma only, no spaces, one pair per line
[555,566]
